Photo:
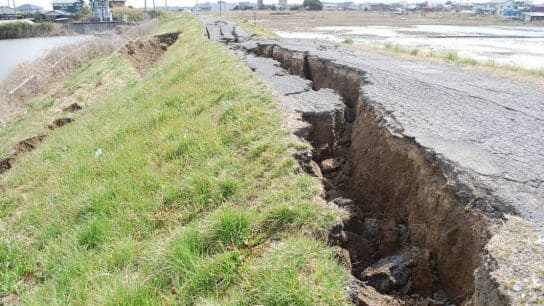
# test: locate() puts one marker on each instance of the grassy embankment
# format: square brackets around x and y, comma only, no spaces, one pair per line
[194,200]
[23,29]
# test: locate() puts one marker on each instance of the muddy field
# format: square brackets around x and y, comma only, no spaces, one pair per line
[306,20]
[484,39]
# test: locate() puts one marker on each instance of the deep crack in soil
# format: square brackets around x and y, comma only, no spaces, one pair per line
[409,234]
[144,53]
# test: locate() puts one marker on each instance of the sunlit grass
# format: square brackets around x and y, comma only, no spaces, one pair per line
[194,198]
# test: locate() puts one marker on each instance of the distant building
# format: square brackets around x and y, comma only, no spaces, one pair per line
[246,6]
[512,9]
[330,6]
[481,9]
[72,6]
[214,7]
[55,15]
[376,7]
[29,9]
[349,6]
[260,4]
[117,3]
[537,9]
[532,16]
[282,4]
[7,12]
[101,11]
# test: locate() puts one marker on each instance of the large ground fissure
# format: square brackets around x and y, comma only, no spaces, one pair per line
[409,232]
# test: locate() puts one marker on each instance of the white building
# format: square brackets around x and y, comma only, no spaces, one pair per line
[101,11]
[330,6]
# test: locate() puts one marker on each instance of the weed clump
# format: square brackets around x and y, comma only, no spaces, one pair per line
[348,40]
[452,56]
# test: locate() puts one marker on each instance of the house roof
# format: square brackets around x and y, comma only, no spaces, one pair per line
[29,7]
[534,14]
[55,13]
[64,1]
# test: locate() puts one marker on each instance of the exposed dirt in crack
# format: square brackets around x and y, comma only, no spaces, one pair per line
[72,108]
[27,145]
[6,164]
[144,53]
[30,144]
[21,148]
[59,122]
[409,234]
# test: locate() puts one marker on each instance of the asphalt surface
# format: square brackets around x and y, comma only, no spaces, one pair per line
[491,127]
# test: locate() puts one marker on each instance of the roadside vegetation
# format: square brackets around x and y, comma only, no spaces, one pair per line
[455,58]
[137,14]
[257,31]
[21,29]
[133,14]
[174,187]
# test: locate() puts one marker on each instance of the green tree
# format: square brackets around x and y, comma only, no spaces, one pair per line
[312,5]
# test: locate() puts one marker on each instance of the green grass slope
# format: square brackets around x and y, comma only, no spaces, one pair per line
[194,199]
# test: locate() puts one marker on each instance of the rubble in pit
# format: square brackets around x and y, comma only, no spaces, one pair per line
[393,182]
[372,243]
[219,30]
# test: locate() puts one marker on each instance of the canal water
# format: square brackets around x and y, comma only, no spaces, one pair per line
[16,51]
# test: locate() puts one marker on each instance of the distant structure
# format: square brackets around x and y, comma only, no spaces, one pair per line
[101,11]
[282,4]
[246,5]
[72,6]
[117,3]
[537,9]
[56,15]
[330,6]
[214,7]
[260,4]
[532,16]
[7,12]
[29,9]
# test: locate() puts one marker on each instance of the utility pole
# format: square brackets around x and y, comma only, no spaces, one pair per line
[166,5]
[220,8]
[14,8]
[145,7]
[154,5]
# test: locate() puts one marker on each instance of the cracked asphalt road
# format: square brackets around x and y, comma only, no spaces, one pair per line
[492,127]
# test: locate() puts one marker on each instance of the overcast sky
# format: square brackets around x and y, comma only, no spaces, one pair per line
[46,4]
